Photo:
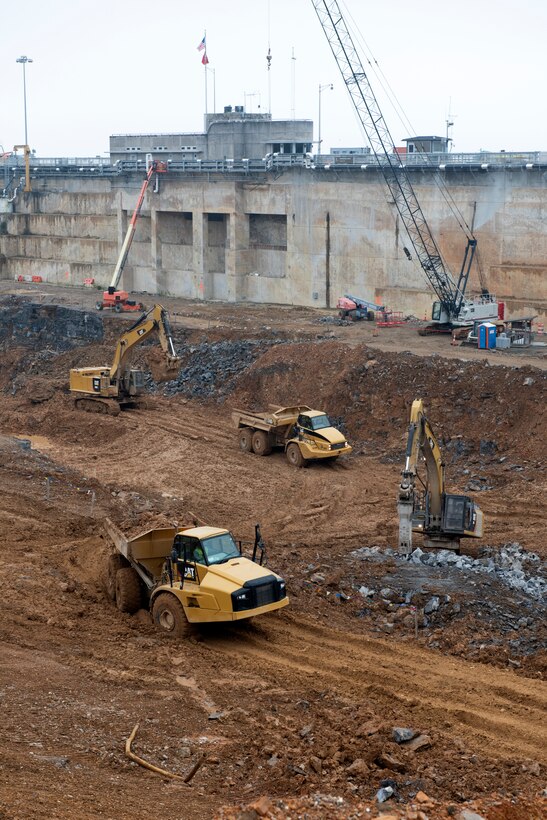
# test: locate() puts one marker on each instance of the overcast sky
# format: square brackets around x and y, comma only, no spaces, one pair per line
[103,68]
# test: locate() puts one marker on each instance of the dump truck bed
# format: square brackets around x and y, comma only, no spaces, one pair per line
[274,417]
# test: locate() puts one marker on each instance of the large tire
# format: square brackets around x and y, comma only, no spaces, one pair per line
[118,307]
[115,562]
[128,590]
[261,444]
[294,456]
[246,440]
[99,305]
[169,616]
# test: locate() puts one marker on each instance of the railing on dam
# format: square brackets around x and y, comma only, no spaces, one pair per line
[277,163]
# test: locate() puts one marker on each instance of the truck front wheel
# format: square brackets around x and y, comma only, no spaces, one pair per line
[261,445]
[169,616]
[294,456]
[246,440]
[128,590]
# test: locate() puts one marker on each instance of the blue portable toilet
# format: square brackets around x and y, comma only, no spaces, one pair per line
[487,336]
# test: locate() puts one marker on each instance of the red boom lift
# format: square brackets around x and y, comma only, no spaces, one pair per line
[118,300]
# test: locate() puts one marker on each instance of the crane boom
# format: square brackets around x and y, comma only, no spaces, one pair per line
[450,293]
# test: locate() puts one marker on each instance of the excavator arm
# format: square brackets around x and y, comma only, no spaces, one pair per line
[443,518]
[154,320]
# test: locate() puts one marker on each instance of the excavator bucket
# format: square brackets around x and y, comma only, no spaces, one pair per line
[163,368]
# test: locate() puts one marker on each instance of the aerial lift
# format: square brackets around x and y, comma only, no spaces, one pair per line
[118,300]
[108,389]
[442,518]
[354,308]
[453,309]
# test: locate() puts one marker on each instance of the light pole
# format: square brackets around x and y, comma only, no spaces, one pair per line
[24,60]
[321,88]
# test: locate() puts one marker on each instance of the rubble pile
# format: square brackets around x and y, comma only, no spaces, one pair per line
[210,368]
[509,564]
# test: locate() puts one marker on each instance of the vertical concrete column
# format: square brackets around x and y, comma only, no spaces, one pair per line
[158,273]
[200,236]
[237,236]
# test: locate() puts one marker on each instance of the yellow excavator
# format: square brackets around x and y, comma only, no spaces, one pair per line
[108,389]
[442,518]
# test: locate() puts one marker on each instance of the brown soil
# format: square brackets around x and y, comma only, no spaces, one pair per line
[295,705]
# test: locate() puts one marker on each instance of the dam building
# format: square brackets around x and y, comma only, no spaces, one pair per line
[247,213]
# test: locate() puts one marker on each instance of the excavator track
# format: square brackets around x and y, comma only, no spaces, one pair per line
[92,405]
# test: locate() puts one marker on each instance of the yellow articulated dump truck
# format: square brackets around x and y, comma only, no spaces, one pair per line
[189,576]
[304,434]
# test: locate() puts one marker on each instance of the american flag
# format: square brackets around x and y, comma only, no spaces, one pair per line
[202,46]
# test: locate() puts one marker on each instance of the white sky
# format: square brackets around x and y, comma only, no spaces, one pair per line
[102,68]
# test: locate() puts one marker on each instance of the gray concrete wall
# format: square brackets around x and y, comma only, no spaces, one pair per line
[270,239]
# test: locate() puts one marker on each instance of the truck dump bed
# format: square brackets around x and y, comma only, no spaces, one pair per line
[275,417]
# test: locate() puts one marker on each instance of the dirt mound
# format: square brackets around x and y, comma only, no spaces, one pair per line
[372,391]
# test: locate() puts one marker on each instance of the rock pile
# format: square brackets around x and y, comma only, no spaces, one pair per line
[210,368]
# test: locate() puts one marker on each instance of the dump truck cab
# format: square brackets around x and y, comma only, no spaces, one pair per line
[314,430]
[192,575]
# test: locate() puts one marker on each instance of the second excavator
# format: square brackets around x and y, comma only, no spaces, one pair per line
[423,504]
[109,388]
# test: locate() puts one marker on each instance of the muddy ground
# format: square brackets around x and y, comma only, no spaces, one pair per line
[297,707]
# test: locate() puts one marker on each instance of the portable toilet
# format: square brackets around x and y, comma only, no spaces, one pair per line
[487,336]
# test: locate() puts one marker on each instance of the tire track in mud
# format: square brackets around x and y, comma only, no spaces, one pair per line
[504,720]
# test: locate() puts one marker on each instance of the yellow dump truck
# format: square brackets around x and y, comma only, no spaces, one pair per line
[189,576]
[304,434]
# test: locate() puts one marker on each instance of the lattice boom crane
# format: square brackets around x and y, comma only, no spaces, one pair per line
[453,308]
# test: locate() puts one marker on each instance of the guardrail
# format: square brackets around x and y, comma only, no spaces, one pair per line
[86,166]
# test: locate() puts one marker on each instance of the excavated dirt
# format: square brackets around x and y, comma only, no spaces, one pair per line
[295,712]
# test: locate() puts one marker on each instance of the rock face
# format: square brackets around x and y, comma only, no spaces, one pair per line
[26,324]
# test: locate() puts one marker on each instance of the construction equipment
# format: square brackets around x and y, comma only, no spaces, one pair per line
[118,300]
[354,308]
[441,517]
[453,308]
[191,575]
[304,434]
[107,389]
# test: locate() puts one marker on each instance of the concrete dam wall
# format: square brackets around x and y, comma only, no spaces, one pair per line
[303,237]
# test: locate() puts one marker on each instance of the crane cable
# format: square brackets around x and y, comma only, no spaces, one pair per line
[405,122]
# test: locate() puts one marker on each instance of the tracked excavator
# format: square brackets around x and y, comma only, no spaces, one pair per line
[423,504]
[108,389]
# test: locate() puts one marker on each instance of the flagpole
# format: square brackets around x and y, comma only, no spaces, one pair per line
[205,75]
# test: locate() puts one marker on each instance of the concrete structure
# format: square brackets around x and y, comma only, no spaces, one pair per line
[232,134]
[263,232]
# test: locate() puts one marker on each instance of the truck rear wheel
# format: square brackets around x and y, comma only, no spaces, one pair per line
[261,445]
[294,456]
[128,590]
[115,562]
[246,440]
[169,616]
